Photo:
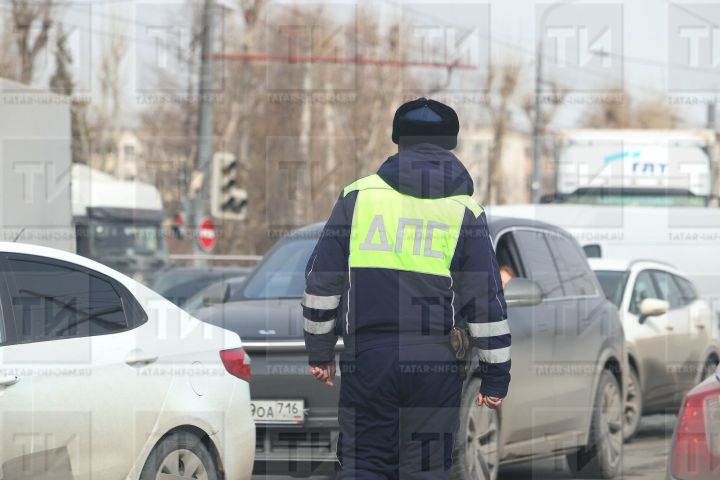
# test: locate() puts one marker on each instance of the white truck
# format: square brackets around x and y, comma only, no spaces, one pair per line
[639,194]
[635,167]
[46,200]
[118,223]
[35,159]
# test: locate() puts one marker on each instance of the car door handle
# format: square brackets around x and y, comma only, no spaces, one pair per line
[9,380]
[140,359]
[669,328]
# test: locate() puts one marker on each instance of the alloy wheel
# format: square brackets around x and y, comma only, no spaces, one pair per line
[611,422]
[181,464]
[482,441]
[633,407]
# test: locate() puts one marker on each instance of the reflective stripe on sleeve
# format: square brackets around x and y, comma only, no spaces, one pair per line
[490,329]
[317,328]
[321,302]
[498,355]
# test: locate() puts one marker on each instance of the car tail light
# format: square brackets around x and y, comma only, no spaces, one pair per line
[237,362]
[696,453]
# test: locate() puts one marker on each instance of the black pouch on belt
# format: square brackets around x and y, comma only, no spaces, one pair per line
[460,345]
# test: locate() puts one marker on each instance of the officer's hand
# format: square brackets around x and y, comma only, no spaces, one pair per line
[324,373]
[490,402]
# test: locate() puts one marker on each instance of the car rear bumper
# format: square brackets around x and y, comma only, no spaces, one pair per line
[293,445]
[236,441]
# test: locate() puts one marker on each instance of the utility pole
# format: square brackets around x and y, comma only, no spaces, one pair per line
[537,125]
[711,110]
[205,123]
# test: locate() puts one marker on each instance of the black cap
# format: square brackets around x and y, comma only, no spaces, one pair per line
[425,121]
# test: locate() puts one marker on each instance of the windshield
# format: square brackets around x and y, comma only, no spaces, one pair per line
[613,284]
[282,273]
[637,199]
[125,238]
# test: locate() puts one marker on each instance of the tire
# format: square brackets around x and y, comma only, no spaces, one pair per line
[633,406]
[175,454]
[711,364]
[602,456]
[476,454]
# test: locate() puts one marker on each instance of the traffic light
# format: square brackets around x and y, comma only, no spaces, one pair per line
[227,199]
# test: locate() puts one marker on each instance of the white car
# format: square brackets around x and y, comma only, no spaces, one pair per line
[667,330]
[101,378]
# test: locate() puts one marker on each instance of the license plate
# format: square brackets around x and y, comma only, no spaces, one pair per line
[278,411]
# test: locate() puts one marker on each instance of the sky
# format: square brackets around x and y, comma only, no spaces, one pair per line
[590,47]
[636,34]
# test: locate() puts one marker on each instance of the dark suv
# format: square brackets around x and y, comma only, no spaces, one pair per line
[567,374]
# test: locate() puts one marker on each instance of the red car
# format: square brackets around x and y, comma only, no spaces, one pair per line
[696,443]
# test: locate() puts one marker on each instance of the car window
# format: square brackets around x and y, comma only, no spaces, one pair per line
[687,289]
[669,290]
[575,273]
[180,286]
[282,273]
[613,284]
[644,288]
[52,301]
[3,335]
[538,261]
[508,257]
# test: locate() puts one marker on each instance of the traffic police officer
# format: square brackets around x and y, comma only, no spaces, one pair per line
[404,257]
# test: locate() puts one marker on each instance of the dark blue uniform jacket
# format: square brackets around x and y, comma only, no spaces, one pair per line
[391,307]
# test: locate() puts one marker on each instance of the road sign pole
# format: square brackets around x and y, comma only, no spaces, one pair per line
[537,125]
[206,235]
[205,125]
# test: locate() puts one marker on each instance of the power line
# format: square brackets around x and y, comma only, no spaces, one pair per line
[531,53]
[357,60]
[494,39]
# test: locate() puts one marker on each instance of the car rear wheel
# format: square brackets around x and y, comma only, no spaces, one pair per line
[633,406]
[602,456]
[477,449]
[180,455]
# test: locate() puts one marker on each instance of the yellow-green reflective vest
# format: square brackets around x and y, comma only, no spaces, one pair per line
[401,232]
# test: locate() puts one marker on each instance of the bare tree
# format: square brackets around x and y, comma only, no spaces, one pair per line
[502,86]
[656,113]
[110,111]
[331,121]
[61,82]
[9,63]
[624,112]
[29,16]
[554,98]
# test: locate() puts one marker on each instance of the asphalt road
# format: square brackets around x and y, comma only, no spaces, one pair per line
[644,458]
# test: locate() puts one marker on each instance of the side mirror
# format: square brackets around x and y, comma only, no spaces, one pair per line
[210,300]
[227,291]
[593,250]
[522,292]
[652,307]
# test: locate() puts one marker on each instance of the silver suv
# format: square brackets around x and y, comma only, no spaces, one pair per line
[668,329]
[566,394]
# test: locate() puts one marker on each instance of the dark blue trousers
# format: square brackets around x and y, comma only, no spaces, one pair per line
[398,413]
